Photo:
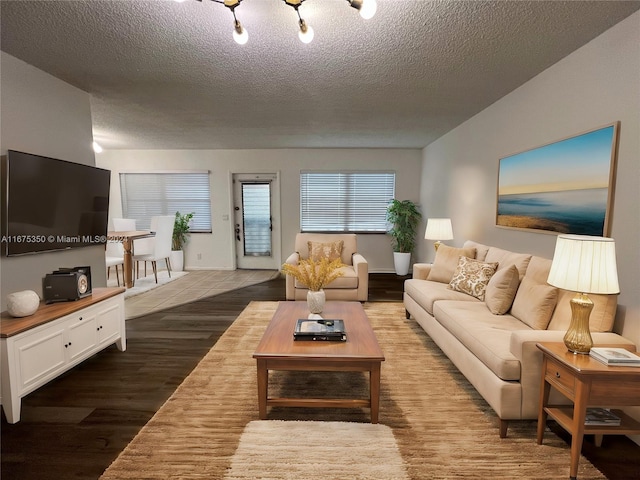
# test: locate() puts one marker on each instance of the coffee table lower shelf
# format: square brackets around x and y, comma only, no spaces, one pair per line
[319,402]
[266,364]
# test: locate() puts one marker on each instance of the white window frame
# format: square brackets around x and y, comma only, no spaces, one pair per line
[345,201]
[145,194]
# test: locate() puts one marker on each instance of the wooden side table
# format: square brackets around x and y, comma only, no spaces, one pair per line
[587,383]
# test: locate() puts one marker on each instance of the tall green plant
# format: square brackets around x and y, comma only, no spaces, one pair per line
[180,230]
[404,218]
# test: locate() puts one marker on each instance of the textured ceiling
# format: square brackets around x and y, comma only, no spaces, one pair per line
[167,75]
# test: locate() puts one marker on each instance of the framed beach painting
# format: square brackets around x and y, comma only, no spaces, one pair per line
[562,187]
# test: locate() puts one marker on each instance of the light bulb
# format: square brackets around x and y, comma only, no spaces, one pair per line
[368,9]
[306,32]
[240,34]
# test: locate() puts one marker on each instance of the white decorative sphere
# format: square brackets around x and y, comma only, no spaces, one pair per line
[22,304]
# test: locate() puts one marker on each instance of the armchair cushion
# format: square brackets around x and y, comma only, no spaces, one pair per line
[320,250]
[349,244]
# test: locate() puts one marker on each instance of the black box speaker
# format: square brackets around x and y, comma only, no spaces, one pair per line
[67,284]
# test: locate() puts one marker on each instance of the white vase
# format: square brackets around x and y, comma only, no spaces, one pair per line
[176,257]
[315,301]
[401,261]
[23,304]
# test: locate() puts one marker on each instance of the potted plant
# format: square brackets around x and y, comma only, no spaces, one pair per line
[404,218]
[315,275]
[180,236]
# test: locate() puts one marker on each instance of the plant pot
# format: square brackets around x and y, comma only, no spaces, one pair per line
[401,262]
[176,257]
[316,301]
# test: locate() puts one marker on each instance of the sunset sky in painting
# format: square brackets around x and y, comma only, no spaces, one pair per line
[580,162]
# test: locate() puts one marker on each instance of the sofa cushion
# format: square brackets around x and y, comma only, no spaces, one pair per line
[501,290]
[602,316]
[446,262]
[538,269]
[534,303]
[604,306]
[506,258]
[481,250]
[426,293]
[486,335]
[320,250]
[472,276]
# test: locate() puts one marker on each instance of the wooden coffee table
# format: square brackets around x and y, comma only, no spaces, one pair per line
[360,353]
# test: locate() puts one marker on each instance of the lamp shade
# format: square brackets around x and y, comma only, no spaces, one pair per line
[585,264]
[438,229]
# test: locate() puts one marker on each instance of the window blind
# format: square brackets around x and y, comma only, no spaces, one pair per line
[345,201]
[145,195]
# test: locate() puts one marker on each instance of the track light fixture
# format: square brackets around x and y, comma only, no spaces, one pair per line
[306,32]
[367,9]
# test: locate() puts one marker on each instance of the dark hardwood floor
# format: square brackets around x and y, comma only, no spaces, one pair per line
[76,425]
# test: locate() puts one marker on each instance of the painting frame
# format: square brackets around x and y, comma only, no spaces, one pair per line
[562,187]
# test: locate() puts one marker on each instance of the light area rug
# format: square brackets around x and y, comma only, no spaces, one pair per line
[293,450]
[443,428]
[144,284]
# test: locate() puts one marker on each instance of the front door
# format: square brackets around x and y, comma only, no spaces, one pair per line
[256,229]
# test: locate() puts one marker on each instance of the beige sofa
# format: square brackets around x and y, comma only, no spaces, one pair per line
[352,286]
[492,339]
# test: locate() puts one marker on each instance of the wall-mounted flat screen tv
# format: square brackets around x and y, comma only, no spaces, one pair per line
[50,204]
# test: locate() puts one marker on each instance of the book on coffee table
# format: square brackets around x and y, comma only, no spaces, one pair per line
[320,330]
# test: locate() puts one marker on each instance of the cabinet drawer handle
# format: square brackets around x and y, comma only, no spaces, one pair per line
[557,374]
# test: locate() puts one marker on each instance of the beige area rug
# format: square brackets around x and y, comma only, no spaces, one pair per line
[144,284]
[293,450]
[443,428]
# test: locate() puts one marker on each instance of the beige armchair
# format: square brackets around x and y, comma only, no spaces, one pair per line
[354,285]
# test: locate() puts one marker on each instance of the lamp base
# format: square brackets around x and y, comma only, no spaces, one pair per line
[578,338]
[436,244]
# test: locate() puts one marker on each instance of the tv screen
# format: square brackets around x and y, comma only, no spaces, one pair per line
[50,204]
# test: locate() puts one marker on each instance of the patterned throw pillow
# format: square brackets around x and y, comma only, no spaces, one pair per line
[472,276]
[330,250]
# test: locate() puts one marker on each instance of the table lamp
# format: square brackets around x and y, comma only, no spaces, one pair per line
[583,264]
[438,229]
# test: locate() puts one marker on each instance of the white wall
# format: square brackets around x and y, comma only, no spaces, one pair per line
[44,116]
[594,86]
[217,249]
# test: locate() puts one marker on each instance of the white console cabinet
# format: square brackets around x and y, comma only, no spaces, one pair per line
[38,348]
